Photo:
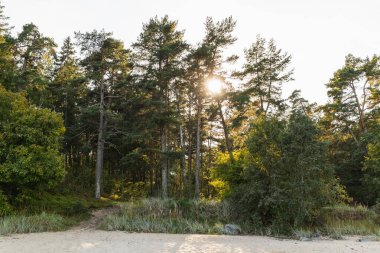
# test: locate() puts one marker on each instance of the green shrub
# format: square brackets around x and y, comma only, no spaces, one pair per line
[5,207]
[376,208]
[30,139]
[286,178]
[30,224]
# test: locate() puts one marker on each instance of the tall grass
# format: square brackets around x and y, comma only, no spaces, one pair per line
[30,224]
[170,216]
[343,220]
[208,217]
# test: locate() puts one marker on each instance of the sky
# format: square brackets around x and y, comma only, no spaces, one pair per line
[317,33]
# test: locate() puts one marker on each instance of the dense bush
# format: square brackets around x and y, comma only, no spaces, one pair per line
[286,178]
[29,145]
[371,168]
[5,207]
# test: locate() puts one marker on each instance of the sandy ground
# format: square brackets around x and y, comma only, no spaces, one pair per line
[103,241]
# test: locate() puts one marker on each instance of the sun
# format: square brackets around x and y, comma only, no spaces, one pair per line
[215,85]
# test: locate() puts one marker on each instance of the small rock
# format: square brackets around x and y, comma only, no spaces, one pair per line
[231,229]
[304,239]
[368,239]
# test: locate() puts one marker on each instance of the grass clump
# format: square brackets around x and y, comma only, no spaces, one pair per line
[164,225]
[343,220]
[30,224]
[170,216]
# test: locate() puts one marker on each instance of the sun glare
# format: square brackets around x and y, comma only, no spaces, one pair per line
[215,85]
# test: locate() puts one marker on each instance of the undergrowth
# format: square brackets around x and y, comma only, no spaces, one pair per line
[34,223]
[42,212]
[170,216]
[343,220]
[209,217]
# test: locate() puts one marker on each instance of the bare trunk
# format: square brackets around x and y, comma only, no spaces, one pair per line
[360,109]
[190,149]
[164,164]
[189,164]
[181,144]
[100,147]
[183,161]
[198,148]
[226,134]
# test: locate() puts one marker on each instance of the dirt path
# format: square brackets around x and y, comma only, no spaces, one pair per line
[78,241]
[96,217]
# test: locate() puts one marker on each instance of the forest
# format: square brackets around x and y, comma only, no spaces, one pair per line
[92,122]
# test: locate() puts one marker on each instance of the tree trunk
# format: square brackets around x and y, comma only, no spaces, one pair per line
[164,163]
[226,134]
[183,161]
[100,147]
[198,147]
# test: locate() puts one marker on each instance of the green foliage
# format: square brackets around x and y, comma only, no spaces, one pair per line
[5,207]
[348,119]
[288,178]
[29,147]
[31,224]
[371,168]
[35,54]
[227,173]
[129,190]
[265,71]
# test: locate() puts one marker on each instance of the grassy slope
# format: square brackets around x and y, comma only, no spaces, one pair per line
[46,212]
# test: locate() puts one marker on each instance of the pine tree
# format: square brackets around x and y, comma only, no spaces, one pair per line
[106,64]
[347,118]
[8,68]
[205,63]
[158,54]
[68,91]
[5,28]
[34,55]
[265,71]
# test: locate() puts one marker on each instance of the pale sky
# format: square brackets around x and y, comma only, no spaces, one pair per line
[317,33]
